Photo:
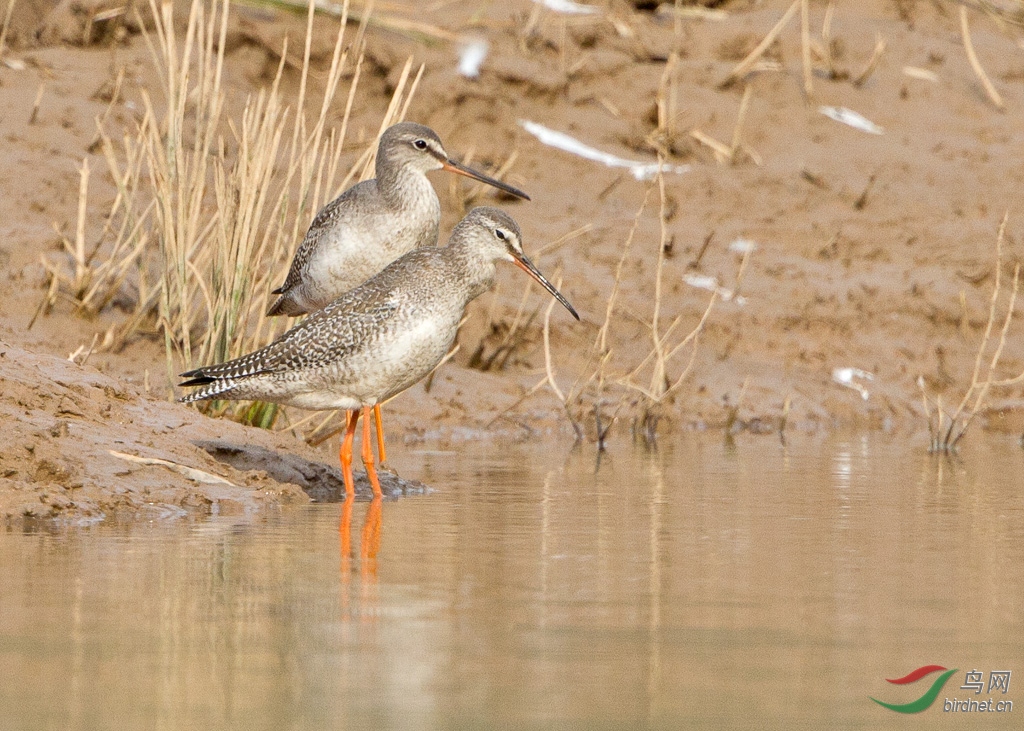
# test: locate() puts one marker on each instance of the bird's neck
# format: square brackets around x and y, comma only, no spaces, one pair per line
[403,187]
[476,271]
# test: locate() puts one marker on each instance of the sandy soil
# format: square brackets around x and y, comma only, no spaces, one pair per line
[873,252]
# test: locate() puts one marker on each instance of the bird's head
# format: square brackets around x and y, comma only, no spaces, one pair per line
[494,235]
[412,146]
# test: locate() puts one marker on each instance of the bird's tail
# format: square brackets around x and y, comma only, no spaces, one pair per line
[209,388]
[285,305]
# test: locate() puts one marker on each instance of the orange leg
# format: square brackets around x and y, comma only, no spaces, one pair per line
[380,434]
[371,471]
[351,417]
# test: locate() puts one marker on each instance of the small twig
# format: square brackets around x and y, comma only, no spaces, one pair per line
[861,78]
[728,154]
[805,47]
[784,419]
[602,335]
[733,412]
[741,271]
[695,264]
[294,427]
[722,152]
[601,431]
[692,337]
[36,104]
[191,473]
[975,376]
[666,100]
[315,440]
[6,26]
[448,356]
[972,57]
[49,298]
[979,400]
[81,270]
[563,239]
[84,352]
[862,199]
[826,39]
[927,412]
[946,431]
[740,118]
[548,368]
[744,66]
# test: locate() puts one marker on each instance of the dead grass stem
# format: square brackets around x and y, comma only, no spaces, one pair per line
[747,64]
[947,429]
[869,68]
[805,48]
[972,58]
[730,154]
[6,26]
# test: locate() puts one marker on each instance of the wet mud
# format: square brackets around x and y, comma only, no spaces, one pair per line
[323,483]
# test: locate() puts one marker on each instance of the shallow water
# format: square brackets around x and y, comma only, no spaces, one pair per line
[705,585]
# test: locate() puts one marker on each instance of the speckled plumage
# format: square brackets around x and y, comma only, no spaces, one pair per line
[378,339]
[372,223]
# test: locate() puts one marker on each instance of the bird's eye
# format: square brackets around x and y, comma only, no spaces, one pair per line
[420,144]
[500,234]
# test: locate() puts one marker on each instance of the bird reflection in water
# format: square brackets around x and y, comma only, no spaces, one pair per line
[369,545]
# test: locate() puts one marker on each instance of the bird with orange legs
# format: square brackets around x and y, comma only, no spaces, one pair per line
[378,339]
[371,224]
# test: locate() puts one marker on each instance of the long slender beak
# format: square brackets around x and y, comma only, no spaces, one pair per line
[457,167]
[527,266]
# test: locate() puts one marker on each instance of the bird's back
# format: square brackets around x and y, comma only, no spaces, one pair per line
[332,221]
[353,238]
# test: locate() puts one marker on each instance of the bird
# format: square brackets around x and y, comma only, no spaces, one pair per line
[377,339]
[374,222]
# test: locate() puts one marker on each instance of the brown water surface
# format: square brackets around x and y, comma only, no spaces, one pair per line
[704,585]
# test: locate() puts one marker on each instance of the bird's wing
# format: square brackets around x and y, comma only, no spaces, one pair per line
[334,213]
[341,328]
[325,337]
[322,339]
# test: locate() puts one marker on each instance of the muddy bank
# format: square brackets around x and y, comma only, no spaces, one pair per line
[80,447]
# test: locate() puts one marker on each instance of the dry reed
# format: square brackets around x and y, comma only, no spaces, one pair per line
[747,64]
[210,206]
[6,25]
[972,58]
[613,380]
[729,154]
[368,14]
[947,429]
[805,48]
[869,68]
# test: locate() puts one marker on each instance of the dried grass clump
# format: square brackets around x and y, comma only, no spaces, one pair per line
[209,207]
[615,384]
[651,383]
[946,429]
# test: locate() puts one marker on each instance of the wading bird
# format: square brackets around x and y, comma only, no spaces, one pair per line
[378,339]
[373,223]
